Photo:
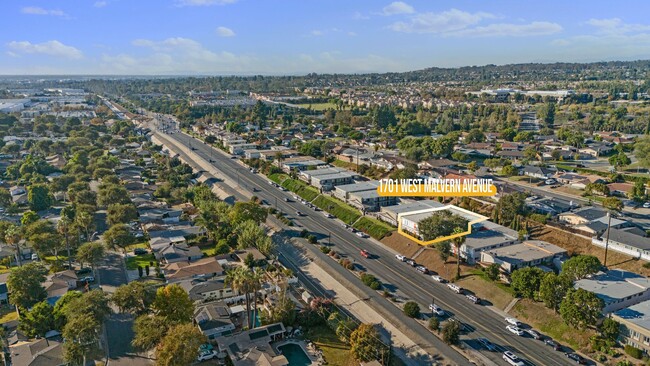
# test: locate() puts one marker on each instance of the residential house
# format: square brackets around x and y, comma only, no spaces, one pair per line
[214,320]
[58,284]
[486,236]
[527,254]
[243,254]
[201,290]
[596,149]
[177,253]
[253,347]
[343,192]
[627,240]
[203,268]
[370,200]
[621,189]
[537,172]
[4,292]
[617,288]
[57,161]
[582,216]
[41,352]
[511,154]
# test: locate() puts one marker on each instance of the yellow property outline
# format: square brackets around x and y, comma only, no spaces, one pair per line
[479,218]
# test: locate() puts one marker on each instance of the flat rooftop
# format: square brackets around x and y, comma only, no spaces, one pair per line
[323,171]
[638,314]
[614,285]
[410,207]
[359,187]
[333,176]
[486,238]
[527,251]
[467,215]
[365,194]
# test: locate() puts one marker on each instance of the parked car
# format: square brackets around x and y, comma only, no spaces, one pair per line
[473,299]
[455,288]
[556,346]
[512,359]
[411,263]
[400,257]
[422,269]
[533,334]
[140,251]
[365,253]
[513,321]
[207,355]
[487,344]
[577,358]
[646,205]
[436,309]
[514,329]
[438,278]
[88,279]
[34,257]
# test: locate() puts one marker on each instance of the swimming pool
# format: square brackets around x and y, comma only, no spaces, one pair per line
[295,354]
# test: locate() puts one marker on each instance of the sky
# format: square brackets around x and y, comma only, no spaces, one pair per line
[294,37]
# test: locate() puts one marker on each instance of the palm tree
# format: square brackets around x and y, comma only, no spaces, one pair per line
[458,242]
[63,227]
[256,278]
[12,237]
[84,220]
[239,280]
[207,221]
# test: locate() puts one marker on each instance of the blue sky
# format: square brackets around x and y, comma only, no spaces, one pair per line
[301,36]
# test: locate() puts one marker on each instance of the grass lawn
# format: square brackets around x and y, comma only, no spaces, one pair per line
[318,106]
[7,314]
[140,260]
[301,188]
[373,227]
[344,212]
[131,247]
[544,319]
[278,177]
[335,352]
[498,294]
[208,250]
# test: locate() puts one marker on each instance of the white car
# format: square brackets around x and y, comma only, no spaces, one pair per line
[512,359]
[207,355]
[400,257]
[513,321]
[361,234]
[455,288]
[438,278]
[515,330]
[646,205]
[328,215]
[436,310]
[533,334]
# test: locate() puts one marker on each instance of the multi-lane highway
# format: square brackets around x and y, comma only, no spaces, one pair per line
[481,320]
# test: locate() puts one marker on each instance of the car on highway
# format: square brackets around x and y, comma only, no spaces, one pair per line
[455,288]
[487,344]
[422,269]
[300,213]
[577,358]
[233,157]
[512,359]
[271,183]
[436,309]
[361,234]
[411,263]
[328,215]
[533,334]
[515,330]
[473,299]
[364,253]
[400,257]
[556,346]
[513,321]
[286,199]
[438,278]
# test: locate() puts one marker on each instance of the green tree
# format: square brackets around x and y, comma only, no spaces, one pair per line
[444,250]
[5,197]
[474,135]
[619,160]
[458,243]
[173,304]
[91,254]
[118,236]
[581,308]
[493,271]
[610,330]
[39,198]
[580,266]
[24,284]
[38,321]
[552,290]
[642,151]
[509,171]
[509,207]
[365,343]
[120,213]
[434,323]
[82,337]
[441,223]
[412,309]
[526,281]
[451,332]
[135,297]
[180,346]
[243,211]
[112,194]
[613,204]
[61,307]
[149,330]
[29,217]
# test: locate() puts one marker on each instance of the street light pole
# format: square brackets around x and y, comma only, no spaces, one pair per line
[609,223]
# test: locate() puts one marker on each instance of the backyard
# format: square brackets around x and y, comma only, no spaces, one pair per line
[132,262]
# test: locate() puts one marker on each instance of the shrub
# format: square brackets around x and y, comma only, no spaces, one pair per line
[434,323]
[304,233]
[412,309]
[539,218]
[370,281]
[347,264]
[633,352]
[325,249]
[312,239]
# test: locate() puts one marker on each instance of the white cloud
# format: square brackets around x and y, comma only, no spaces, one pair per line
[51,48]
[35,10]
[100,4]
[203,2]
[317,32]
[359,16]
[616,26]
[225,32]
[512,30]
[397,7]
[444,22]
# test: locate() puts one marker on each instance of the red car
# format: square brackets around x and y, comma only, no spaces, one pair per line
[365,253]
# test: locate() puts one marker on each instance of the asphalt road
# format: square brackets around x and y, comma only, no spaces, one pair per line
[482,321]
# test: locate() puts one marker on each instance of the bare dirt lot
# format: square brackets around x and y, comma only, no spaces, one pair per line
[575,244]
